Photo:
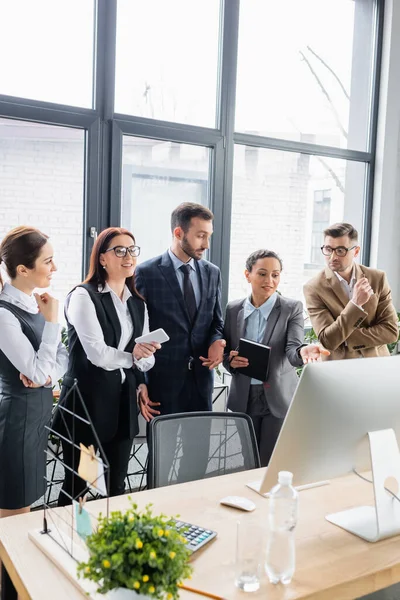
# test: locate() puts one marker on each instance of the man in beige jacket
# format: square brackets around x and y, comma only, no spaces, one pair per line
[350,305]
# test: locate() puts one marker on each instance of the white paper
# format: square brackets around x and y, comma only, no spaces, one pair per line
[99,484]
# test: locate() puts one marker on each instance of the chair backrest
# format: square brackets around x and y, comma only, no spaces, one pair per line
[190,446]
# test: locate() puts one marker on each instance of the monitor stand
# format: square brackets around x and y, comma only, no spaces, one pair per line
[373,523]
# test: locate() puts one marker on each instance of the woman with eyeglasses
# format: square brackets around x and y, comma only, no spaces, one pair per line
[266,317]
[105,314]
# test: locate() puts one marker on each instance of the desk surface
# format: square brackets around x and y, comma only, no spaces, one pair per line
[331,563]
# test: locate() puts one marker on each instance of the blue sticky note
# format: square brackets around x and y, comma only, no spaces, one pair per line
[83,522]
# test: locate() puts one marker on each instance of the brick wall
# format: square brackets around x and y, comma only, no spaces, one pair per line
[41,184]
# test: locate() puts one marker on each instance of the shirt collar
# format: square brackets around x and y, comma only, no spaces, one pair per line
[125,296]
[352,278]
[19,298]
[264,309]
[177,262]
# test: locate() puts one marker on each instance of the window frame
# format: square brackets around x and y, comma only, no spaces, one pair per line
[105,130]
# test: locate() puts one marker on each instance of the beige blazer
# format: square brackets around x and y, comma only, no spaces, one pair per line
[343,328]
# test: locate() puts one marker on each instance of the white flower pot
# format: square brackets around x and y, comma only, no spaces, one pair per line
[124,594]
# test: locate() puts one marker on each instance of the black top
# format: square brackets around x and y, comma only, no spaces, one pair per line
[101,389]
[32,325]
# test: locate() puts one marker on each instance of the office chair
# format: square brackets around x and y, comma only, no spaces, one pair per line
[191,446]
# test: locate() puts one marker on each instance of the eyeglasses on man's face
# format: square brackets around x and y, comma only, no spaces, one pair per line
[121,251]
[339,251]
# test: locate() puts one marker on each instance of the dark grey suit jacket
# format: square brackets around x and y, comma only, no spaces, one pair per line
[285,335]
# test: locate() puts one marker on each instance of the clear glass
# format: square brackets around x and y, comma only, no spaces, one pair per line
[167,60]
[42,184]
[46,50]
[275,205]
[248,565]
[156,177]
[305,70]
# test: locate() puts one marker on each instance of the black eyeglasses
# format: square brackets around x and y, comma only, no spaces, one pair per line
[121,251]
[339,251]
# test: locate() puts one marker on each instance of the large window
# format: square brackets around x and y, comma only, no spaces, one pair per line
[112,112]
[42,184]
[46,50]
[157,176]
[305,69]
[273,207]
[167,60]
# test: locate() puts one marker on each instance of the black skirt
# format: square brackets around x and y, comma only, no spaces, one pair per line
[23,440]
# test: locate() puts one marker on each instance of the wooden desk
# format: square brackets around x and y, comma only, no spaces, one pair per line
[331,563]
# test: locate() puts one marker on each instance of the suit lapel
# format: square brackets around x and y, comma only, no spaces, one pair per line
[135,322]
[336,286]
[241,325]
[109,308]
[272,321]
[167,269]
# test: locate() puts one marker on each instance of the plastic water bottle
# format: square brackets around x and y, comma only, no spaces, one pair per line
[283,505]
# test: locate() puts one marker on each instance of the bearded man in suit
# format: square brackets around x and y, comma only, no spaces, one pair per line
[350,305]
[183,296]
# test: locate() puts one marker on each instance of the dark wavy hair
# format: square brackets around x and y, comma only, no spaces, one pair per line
[97,275]
[21,246]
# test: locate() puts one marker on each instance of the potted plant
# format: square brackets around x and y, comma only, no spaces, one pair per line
[136,555]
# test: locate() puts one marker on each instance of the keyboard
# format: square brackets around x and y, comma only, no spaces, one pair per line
[196,536]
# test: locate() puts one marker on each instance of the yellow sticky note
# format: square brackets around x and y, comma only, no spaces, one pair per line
[87,464]
[91,469]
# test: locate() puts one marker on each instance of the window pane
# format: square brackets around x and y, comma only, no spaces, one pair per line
[46,50]
[304,70]
[42,184]
[156,177]
[282,201]
[167,60]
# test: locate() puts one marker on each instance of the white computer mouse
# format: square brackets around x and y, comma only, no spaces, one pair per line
[238,502]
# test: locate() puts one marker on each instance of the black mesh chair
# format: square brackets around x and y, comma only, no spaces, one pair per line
[190,446]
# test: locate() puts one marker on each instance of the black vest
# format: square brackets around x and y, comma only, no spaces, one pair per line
[101,389]
[32,326]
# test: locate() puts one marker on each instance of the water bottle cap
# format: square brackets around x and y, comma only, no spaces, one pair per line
[285,477]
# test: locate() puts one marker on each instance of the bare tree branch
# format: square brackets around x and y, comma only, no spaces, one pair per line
[322,87]
[330,71]
[331,173]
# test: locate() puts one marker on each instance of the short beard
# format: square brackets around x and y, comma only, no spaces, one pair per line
[187,248]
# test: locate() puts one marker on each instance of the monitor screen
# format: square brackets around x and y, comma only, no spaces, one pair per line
[335,405]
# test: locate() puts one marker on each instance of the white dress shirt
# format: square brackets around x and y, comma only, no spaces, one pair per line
[51,359]
[81,313]
[349,287]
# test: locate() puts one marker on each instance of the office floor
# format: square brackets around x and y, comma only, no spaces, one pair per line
[390,593]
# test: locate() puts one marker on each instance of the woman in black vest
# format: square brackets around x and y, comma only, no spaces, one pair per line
[32,359]
[105,314]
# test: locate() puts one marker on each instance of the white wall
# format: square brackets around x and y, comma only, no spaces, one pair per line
[385,251]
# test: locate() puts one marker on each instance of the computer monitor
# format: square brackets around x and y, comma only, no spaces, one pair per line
[335,405]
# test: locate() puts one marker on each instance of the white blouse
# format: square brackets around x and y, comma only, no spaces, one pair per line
[51,359]
[81,313]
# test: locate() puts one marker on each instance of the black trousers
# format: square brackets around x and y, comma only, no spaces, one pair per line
[117,451]
[185,458]
[266,426]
